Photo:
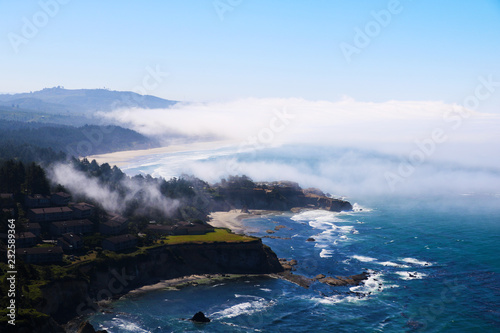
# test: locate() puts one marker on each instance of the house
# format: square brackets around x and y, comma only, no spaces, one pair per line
[112,228]
[9,212]
[40,255]
[82,210]
[161,229]
[35,228]
[117,218]
[70,242]
[192,228]
[7,200]
[71,226]
[26,239]
[115,225]
[50,214]
[119,243]
[36,201]
[60,199]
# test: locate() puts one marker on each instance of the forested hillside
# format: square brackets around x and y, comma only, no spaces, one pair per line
[38,142]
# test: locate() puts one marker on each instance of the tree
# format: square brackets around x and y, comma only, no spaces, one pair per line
[36,180]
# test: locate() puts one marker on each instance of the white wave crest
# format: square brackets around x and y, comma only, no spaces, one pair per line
[411,275]
[363,258]
[246,308]
[416,262]
[373,284]
[326,253]
[393,264]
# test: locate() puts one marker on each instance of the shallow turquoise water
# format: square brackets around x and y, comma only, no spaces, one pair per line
[434,268]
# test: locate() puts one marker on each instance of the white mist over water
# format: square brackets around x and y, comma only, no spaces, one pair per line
[346,147]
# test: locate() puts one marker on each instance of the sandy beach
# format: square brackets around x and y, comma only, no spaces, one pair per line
[122,158]
[233,219]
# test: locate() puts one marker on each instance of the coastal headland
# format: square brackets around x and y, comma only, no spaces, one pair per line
[109,255]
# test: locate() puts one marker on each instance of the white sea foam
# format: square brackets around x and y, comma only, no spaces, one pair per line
[358,208]
[326,253]
[247,296]
[416,262]
[127,325]
[246,308]
[363,258]
[336,299]
[373,284]
[321,216]
[393,264]
[411,275]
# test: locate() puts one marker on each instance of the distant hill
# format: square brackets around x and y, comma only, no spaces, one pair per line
[60,120]
[35,141]
[59,100]
[72,107]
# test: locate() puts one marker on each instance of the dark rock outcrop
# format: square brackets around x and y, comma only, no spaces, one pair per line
[199,317]
[353,280]
[86,327]
[281,196]
[288,266]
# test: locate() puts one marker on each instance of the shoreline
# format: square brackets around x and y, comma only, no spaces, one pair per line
[124,157]
[233,219]
[190,280]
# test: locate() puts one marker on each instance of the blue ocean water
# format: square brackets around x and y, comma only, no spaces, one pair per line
[434,267]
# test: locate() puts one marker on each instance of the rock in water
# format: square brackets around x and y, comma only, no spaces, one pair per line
[199,317]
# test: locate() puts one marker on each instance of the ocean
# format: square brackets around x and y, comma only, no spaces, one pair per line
[433,262]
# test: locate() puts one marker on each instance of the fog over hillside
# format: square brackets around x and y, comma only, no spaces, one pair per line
[346,146]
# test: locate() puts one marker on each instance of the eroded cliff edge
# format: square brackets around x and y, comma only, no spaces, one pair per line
[108,278]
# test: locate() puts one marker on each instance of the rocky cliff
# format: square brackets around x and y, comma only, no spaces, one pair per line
[107,279]
[280,196]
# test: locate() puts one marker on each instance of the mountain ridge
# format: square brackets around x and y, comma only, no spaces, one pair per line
[81,101]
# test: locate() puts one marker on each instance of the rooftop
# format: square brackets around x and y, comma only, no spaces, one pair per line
[63,194]
[121,238]
[40,250]
[25,234]
[51,210]
[72,223]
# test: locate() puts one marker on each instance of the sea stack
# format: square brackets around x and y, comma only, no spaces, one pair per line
[199,317]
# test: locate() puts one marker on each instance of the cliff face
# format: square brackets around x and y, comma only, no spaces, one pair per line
[64,300]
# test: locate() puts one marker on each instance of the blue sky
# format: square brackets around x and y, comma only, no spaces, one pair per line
[429,50]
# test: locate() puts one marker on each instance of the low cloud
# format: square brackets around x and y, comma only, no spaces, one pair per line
[357,146]
[78,183]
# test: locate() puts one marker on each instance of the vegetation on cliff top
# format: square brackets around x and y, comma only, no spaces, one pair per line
[217,236]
